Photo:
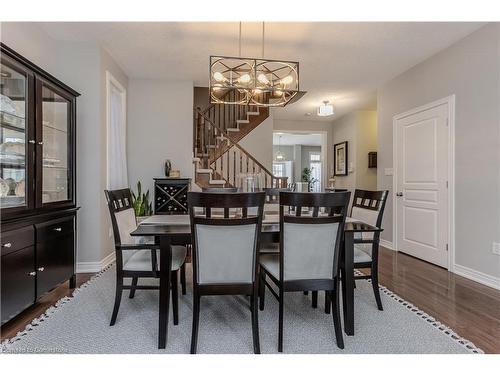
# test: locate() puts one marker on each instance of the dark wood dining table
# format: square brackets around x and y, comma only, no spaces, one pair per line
[175,230]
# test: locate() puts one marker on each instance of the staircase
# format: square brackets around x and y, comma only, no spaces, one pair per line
[218,158]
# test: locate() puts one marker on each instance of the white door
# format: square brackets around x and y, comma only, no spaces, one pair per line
[421,186]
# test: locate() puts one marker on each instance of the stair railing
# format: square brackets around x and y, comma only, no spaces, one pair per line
[227,158]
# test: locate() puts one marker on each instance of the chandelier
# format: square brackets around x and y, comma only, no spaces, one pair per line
[253,81]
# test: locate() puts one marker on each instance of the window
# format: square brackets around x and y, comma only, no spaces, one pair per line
[279,169]
[315,165]
[117,177]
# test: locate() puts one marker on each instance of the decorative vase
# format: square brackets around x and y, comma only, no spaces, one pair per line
[168,167]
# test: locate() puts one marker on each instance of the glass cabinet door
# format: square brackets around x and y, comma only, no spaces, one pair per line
[56,140]
[14,137]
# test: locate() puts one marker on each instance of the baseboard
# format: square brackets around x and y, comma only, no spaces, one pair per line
[477,276]
[386,244]
[91,267]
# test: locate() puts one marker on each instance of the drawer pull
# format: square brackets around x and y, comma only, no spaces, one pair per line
[41,269]
[8,244]
[58,229]
[32,273]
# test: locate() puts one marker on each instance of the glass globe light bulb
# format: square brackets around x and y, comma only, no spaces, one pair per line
[245,78]
[218,76]
[263,79]
[287,80]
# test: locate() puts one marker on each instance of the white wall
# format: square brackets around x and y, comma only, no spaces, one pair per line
[259,142]
[79,65]
[345,129]
[366,139]
[159,127]
[470,70]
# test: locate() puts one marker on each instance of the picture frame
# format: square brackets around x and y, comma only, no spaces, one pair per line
[340,161]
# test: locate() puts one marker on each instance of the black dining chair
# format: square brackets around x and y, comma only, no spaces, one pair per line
[309,252]
[368,206]
[225,250]
[137,257]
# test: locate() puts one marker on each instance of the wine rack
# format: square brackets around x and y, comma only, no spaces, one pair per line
[171,196]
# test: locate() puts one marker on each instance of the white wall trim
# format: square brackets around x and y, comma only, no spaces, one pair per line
[386,244]
[480,277]
[91,267]
[450,101]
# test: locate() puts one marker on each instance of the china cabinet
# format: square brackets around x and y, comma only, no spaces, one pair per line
[37,182]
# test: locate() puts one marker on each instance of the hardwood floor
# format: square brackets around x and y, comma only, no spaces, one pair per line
[470,309]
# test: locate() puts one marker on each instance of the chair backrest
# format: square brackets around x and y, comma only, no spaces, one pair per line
[225,248]
[310,244]
[368,206]
[122,214]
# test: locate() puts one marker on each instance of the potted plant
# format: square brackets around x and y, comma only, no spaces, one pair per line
[141,204]
[307,177]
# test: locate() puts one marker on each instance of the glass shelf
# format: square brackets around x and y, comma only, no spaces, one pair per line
[13,103]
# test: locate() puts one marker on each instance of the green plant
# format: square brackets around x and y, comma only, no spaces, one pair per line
[140,202]
[307,177]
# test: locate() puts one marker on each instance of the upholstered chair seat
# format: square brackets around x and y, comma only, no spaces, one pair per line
[141,259]
[271,263]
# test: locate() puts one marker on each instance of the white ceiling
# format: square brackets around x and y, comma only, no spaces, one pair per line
[290,139]
[343,62]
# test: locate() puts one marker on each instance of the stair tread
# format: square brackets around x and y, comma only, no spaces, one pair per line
[204,170]
[253,113]
[243,121]
[232,130]
[213,182]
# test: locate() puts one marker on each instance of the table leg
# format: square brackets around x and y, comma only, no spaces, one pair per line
[165,265]
[348,283]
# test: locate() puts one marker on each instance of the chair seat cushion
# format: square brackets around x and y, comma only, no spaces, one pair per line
[273,248]
[141,259]
[271,263]
[362,253]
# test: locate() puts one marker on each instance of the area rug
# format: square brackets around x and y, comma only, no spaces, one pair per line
[80,324]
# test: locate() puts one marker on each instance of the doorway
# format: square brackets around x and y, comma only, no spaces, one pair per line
[423,182]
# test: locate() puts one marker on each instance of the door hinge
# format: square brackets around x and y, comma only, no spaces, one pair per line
[447,184]
[447,122]
[446,247]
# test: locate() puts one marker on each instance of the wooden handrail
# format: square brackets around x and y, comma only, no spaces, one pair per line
[234,144]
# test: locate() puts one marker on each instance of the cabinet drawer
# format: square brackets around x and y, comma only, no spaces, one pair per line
[54,229]
[17,282]
[17,239]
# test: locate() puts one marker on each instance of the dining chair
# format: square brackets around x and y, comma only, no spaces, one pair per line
[137,257]
[225,250]
[309,252]
[368,206]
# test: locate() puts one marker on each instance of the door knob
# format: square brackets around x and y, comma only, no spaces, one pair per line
[8,244]
[32,273]
[399,194]
[58,229]
[41,269]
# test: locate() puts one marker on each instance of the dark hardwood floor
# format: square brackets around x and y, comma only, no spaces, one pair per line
[470,309]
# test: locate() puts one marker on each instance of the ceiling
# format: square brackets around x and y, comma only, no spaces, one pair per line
[290,139]
[344,62]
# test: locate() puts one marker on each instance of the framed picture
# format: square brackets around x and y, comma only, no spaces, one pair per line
[340,159]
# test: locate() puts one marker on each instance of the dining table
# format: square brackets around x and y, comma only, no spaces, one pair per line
[169,230]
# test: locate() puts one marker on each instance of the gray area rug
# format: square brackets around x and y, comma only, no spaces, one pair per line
[80,324]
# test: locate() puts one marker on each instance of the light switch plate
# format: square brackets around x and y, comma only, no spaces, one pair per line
[389,171]
[495,249]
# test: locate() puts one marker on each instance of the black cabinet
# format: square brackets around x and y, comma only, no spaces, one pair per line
[54,253]
[37,181]
[171,195]
[18,281]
